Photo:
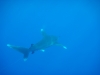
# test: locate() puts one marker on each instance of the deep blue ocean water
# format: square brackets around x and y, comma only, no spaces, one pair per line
[75,23]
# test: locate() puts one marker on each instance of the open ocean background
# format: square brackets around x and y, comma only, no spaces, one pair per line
[75,23]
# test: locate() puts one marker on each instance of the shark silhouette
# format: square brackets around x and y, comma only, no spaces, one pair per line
[47,41]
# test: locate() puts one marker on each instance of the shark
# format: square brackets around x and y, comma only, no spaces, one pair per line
[45,42]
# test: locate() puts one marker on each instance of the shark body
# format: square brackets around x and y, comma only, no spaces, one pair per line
[47,41]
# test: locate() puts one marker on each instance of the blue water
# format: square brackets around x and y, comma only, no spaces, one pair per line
[75,23]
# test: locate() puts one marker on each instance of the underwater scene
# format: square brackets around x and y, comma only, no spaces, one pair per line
[50,37]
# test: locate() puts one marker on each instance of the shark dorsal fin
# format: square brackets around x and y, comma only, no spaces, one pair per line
[44,33]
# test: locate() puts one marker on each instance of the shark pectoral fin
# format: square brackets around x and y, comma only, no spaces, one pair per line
[26,56]
[43,50]
[61,45]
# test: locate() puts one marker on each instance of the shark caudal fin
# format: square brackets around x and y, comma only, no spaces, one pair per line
[26,56]
[22,50]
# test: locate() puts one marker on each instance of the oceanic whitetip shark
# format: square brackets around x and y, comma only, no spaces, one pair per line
[47,41]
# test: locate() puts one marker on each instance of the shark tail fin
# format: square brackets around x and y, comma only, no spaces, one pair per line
[26,56]
[22,50]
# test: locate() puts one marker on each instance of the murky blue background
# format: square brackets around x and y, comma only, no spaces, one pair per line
[75,23]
